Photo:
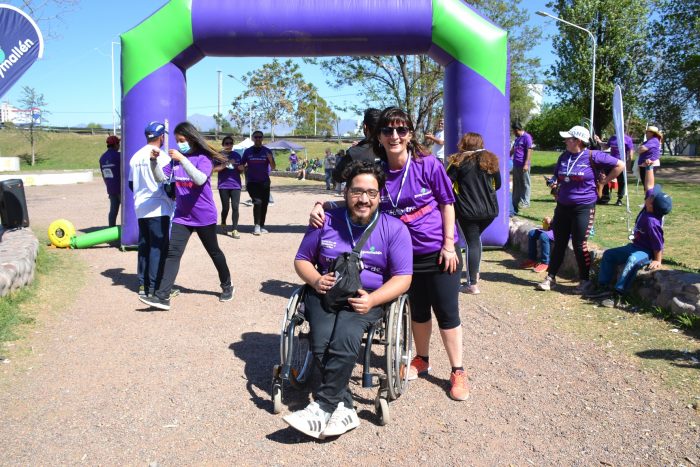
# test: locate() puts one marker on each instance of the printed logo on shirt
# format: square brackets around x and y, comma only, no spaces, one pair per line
[330,244]
[423,192]
[372,251]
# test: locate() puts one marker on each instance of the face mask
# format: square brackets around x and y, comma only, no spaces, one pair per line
[184,147]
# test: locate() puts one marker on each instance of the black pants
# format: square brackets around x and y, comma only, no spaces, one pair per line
[433,288]
[472,230]
[233,198]
[260,194]
[114,202]
[576,222]
[336,339]
[620,190]
[153,247]
[179,237]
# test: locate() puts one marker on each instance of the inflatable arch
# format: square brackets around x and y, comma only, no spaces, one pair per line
[474,52]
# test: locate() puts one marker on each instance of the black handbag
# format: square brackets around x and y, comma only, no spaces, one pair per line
[347,268]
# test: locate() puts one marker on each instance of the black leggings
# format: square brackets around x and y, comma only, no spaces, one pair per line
[437,290]
[232,197]
[576,222]
[472,230]
[260,194]
[179,236]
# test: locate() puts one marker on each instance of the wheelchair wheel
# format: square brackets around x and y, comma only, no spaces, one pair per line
[381,406]
[398,351]
[295,341]
[276,390]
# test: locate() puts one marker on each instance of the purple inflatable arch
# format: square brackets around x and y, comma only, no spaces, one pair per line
[157,53]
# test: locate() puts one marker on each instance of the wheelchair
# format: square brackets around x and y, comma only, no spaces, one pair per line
[297,362]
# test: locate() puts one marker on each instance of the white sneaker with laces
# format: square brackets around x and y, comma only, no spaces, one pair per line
[310,421]
[546,284]
[256,230]
[342,421]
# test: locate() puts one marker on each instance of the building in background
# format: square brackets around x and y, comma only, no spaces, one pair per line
[20,117]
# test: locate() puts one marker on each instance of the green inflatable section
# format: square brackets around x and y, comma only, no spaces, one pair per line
[111,234]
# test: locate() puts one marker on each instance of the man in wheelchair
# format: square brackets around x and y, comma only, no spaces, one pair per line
[336,337]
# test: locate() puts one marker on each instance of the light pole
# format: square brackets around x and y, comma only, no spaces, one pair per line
[218,108]
[114,99]
[250,110]
[548,15]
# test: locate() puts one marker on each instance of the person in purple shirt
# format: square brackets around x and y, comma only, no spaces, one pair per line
[336,337]
[229,184]
[419,192]
[650,152]
[293,161]
[195,210]
[578,172]
[110,166]
[646,248]
[257,161]
[521,153]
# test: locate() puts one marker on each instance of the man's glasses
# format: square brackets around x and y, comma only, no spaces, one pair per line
[257,137]
[358,192]
[227,143]
[402,131]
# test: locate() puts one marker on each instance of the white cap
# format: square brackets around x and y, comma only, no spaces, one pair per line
[577,132]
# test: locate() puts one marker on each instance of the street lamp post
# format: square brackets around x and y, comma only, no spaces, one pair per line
[218,107]
[114,99]
[250,110]
[548,15]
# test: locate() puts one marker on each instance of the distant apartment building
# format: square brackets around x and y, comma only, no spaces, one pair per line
[11,114]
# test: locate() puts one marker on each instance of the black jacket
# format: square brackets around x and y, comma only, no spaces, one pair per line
[361,152]
[475,191]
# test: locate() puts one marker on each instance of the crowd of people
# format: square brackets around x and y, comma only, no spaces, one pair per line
[410,205]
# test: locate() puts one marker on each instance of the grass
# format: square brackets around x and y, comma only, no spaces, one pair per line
[680,231]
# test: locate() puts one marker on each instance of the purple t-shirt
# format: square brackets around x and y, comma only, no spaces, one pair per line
[426,186]
[293,159]
[110,165]
[258,164]
[549,233]
[520,146]
[652,153]
[386,253]
[576,177]
[615,150]
[230,178]
[648,230]
[194,205]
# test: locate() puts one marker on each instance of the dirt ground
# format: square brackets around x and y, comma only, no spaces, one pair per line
[111,382]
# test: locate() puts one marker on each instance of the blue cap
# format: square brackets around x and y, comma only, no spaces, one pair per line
[663,204]
[154,130]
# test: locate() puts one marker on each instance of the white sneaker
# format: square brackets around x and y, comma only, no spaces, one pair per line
[310,421]
[546,284]
[342,421]
[263,231]
[256,230]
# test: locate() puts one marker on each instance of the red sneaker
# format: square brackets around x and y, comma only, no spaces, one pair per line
[459,386]
[527,264]
[541,267]
[418,367]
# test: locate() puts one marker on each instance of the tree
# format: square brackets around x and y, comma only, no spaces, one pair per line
[46,12]
[546,126]
[272,94]
[34,103]
[222,123]
[314,116]
[622,56]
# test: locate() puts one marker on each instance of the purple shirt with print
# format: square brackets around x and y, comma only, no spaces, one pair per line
[615,150]
[194,205]
[386,253]
[652,153]
[425,188]
[576,177]
[648,230]
[230,176]
[110,165]
[258,164]
[520,146]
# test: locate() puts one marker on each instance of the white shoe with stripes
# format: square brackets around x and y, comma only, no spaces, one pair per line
[310,421]
[342,421]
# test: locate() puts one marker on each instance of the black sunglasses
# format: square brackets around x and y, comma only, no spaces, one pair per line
[402,131]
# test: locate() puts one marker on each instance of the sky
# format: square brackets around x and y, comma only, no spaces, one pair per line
[75,75]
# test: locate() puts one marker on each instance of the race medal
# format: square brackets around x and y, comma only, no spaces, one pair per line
[631,236]
[567,179]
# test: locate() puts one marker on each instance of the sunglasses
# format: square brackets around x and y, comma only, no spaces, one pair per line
[358,192]
[402,131]
[227,143]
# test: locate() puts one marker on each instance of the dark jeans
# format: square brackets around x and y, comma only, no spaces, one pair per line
[536,236]
[335,341]
[632,256]
[114,202]
[153,247]
[576,222]
[472,230]
[232,197]
[329,178]
[179,237]
[260,194]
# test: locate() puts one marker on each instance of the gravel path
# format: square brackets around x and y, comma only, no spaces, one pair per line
[111,382]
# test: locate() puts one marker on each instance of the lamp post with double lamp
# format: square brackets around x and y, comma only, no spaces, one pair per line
[548,15]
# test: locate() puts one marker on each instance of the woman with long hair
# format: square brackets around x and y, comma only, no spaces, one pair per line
[229,184]
[419,193]
[195,210]
[475,178]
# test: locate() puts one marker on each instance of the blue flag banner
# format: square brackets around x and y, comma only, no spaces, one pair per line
[21,44]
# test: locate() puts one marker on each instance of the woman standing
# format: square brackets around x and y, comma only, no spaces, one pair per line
[578,172]
[229,184]
[195,210]
[475,178]
[418,192]
[650,152]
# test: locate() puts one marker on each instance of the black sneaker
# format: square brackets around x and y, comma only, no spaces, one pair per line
[598,293]
[156,302]
[227,293]
[618,202]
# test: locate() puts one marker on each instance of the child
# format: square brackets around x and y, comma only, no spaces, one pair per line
[646,248]
[545,236]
